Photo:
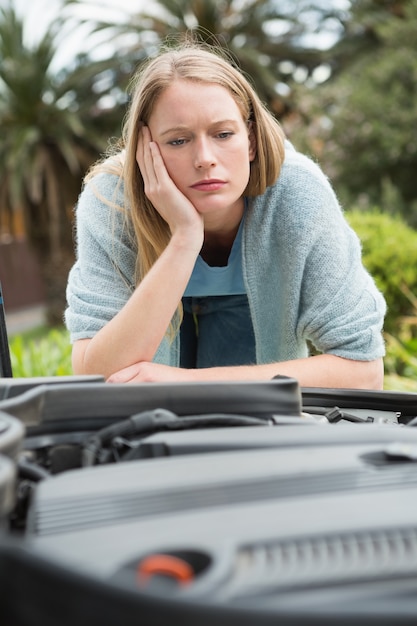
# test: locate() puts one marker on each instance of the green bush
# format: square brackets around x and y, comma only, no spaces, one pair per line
[44,352]
[390,255]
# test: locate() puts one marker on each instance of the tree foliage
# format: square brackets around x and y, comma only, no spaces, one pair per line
[389,247]
[363,122]
[54,132]
[266,38]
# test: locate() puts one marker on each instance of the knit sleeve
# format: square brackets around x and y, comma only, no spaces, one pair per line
[304,274]
[341,309]
[102,278]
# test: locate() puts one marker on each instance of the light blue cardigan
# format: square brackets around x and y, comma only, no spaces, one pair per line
[301,265]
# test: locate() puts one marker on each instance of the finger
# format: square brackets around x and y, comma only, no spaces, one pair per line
[143,139]
[158,163]
[139,145]
[145,161]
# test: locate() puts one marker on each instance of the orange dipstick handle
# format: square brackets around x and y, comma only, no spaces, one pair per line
[165,565]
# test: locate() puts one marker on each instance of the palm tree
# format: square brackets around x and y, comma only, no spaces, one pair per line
[52,130]
[263,36]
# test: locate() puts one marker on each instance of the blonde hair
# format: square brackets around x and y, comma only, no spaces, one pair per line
[201,63]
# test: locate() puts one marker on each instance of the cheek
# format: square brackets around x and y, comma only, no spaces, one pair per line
[243,153]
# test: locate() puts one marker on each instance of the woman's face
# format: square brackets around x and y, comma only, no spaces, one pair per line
[206,145]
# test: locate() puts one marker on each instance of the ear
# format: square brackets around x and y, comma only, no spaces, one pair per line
[252,142]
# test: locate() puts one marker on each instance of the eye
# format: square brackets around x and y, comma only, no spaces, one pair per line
[177,142]
[225,134]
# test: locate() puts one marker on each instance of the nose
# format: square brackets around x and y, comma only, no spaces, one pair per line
[204,155]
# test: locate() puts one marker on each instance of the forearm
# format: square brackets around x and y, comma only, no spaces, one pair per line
[324,370]
[135,333]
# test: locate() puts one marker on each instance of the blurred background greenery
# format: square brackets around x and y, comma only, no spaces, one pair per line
[41,352]
[340,75]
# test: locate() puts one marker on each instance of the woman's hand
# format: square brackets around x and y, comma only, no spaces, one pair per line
[148,372]
[179,213]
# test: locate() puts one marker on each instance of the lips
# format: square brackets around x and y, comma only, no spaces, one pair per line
[212,184]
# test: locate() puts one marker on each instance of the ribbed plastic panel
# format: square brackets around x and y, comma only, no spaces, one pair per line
[60,514]
[331,559]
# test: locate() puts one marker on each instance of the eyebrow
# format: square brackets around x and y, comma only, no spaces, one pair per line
[182,128]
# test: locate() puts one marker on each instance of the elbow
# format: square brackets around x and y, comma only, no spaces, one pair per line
[379,375]
[80,361]
[371,375]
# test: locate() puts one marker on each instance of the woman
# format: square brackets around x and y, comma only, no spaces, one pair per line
[208,248]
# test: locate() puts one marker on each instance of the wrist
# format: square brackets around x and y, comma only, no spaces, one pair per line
[188,239]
